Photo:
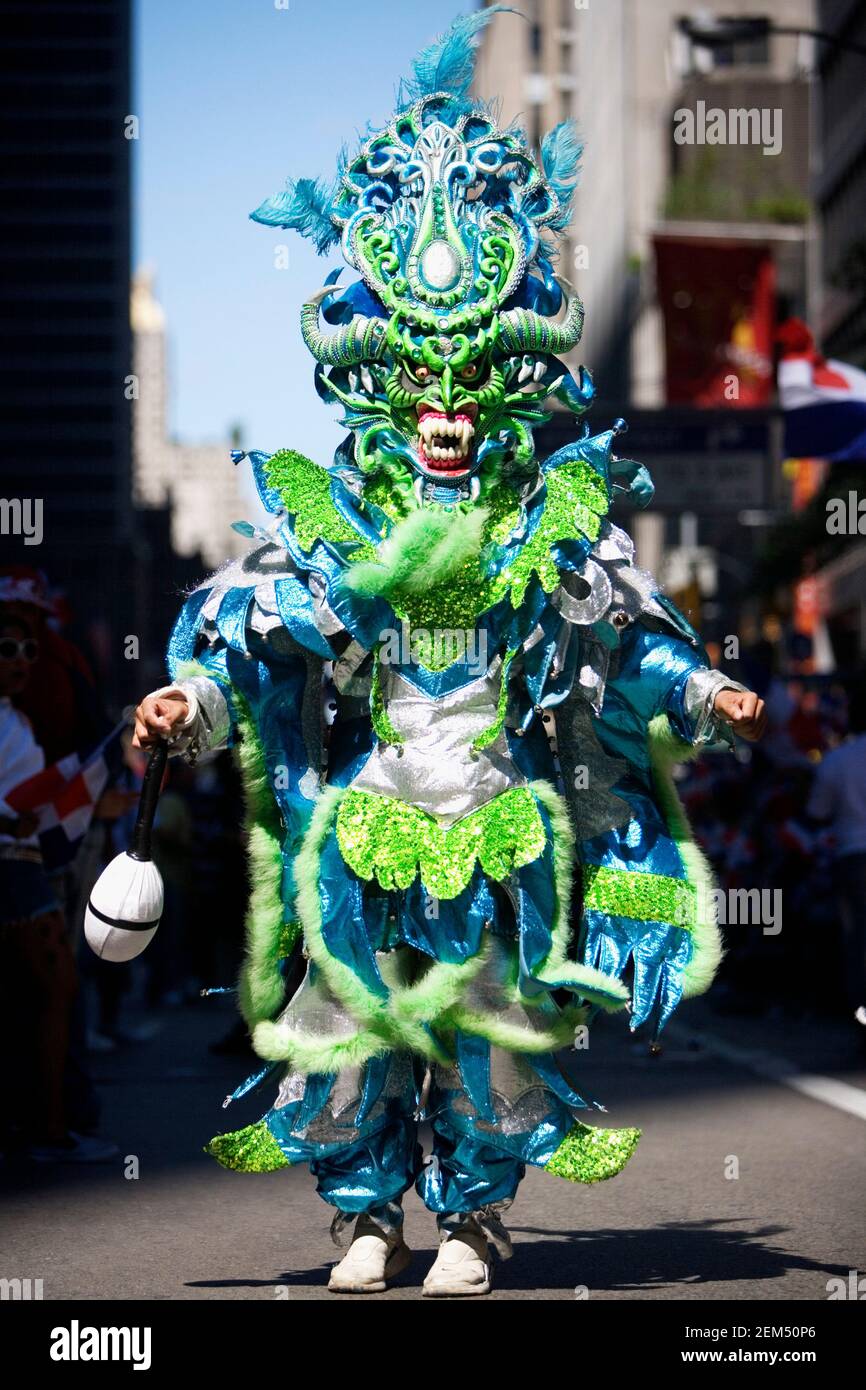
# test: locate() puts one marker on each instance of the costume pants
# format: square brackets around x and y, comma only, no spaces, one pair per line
[462,1175]
[366,1156]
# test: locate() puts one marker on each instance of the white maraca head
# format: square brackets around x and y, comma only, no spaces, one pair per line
[124,908]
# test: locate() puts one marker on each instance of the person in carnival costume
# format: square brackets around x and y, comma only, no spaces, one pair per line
[456,703]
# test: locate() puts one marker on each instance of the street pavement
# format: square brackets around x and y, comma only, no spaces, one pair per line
[743,1186]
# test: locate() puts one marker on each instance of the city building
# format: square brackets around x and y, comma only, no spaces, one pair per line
[840,194]
[66,355]
[840,191]
[197,482]
[623,69]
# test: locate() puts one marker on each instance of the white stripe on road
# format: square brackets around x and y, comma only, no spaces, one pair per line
[827,1089]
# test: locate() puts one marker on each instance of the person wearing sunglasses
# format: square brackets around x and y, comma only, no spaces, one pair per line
[21,649]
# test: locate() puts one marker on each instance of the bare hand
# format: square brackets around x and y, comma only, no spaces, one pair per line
[157,718]
[744,711]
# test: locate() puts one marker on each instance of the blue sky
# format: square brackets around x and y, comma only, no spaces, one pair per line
[233,96]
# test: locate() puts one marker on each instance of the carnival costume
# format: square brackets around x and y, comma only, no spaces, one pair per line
[455,699]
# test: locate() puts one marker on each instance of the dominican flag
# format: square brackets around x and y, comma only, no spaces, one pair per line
[64,795]
[824,401]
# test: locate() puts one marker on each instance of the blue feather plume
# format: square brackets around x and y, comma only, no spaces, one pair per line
[448,63]
[304,206]
[561,150]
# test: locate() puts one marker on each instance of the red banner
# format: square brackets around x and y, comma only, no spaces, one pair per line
[717,303]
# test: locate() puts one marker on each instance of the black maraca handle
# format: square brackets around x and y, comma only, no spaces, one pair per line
[140,847]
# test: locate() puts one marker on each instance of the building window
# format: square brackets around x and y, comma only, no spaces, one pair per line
[752,53]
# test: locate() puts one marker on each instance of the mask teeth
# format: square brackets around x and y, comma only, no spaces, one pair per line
[444,440]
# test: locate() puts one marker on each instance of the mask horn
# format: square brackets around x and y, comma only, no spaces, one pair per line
[523,330]
[362,340]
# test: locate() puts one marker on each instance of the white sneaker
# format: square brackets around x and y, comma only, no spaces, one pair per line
[461,1267]
[371,1261]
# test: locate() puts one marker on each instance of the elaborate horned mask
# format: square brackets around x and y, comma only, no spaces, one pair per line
[445,350]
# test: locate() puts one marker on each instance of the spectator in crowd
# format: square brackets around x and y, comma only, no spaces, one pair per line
[38,968]
[838,799]
[60,698]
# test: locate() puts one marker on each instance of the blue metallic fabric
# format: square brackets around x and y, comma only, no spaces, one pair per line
[643,845]
[478,1157]
[371,1173]
[345,928]
[464,1174]
[658,953]
[185,634]
[653,669]
[453,932]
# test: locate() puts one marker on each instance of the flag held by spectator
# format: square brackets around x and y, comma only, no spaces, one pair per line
[64,795]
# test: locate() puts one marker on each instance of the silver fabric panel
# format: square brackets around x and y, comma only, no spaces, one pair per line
[326,619]
[264,615]
[595,808]
[594,605]
[490,990]
[519,1098]
[528,1111]
[315,1010]
[268,561]
[613,544]
[345,678]
[435,769]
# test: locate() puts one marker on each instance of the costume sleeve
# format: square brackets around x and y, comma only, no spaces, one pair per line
[208,725]
[664,674]
[647,891]
[246,660]
[694,715]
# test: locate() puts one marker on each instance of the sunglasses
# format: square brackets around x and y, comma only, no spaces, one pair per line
[10,649]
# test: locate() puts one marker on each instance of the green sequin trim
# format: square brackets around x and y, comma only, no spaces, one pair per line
[643,897]
[488,736]
[589,1154]
[261,988]
[289,933]
[575,503]
[305,491]
[382,726]
[455,606]
[250,1150]
[576,500]
[393,841]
